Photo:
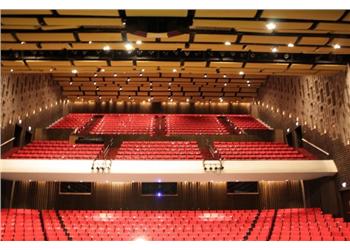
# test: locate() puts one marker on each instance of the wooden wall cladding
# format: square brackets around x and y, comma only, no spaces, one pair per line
[191,195]
[320,102]
[35,99]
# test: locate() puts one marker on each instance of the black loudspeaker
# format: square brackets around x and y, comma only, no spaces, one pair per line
[299,136]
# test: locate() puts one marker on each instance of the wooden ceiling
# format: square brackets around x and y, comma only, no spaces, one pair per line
[312,32]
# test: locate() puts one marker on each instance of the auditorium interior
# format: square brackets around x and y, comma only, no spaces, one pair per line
[175,125]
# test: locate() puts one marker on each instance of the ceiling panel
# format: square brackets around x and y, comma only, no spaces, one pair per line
[226,13]
[300,66]
[18,63]
[7,37]
[266,65]
[330,67]
[18,46]
[313,40]
[195,64]
[341,41]
[157,63]
[85,37]
[133,38]
[329,15]
[268,39]
[179,38]
[250,25]
[54,46]
[89,12]
[159,13]
[48,63]
[26,21]
[121,63]
[19,27]
[54,37]
[80,21]
[216,47]
[226,64]
[214,38]
[90,63]
[160,46]
[26,12]
[97,46]
[334,27]
[347,17]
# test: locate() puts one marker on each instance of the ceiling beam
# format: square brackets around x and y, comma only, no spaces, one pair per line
[178,55]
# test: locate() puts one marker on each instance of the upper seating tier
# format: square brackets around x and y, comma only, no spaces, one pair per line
[245,122]
[72,121]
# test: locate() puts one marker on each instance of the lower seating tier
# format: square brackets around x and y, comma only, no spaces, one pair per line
[295,224]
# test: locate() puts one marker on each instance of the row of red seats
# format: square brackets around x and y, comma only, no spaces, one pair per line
[245,122]
[125,124]
[257,151]
[72,121]
[52,226]
[194,124]
[159,150]
[57,150]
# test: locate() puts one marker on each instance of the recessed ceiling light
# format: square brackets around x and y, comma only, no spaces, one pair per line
[100,97]
[140,74]
[225,76]
[169,83]
[124,23]
[227,43]
[95,75]
[128,46]
[51,69]
[142,70]
[90,42]
[271,26]
[221,99]
[74,71]
[248,84]
[11,70]
[106,48]
[290,45]
[336,46]
[225,84]
[120,88]
[102,70]
[70,83]
[115,75]
[174,70]
[188,100]
[241,73]
[205,75]
[94,83]
[138,42]
[248,81]
[274,49]
[128,79]
[23,42]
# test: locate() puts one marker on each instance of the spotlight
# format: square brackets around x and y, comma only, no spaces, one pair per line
[106,48]
[128,46]
[227,43]
[290,45]
[274,49]
[271,26]
[138,42]
[74,71]
[336,46]
[344,184]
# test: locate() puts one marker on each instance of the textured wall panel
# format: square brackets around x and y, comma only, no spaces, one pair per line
[34,99]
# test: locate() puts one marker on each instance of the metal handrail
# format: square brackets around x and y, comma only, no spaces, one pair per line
[316,147]
[8,141]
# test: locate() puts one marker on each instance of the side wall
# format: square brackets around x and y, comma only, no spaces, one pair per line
[33,99]
[321,105]
[190,195]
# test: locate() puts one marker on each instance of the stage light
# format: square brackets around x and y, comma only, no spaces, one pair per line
[174,70]
[142,70]
[271,26]
[336,46]
[106,48]
[94,83]
[23,42]
[102,70]
[138,42]
[344,184]
[205,75]
[115,75]
[29,128]
[225,76]
[128,46]
[290,45]
[95,75]
[159,194]
[74,71]
[227,43]
[274,50]
[11,70]
[241,73]
[90,42]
